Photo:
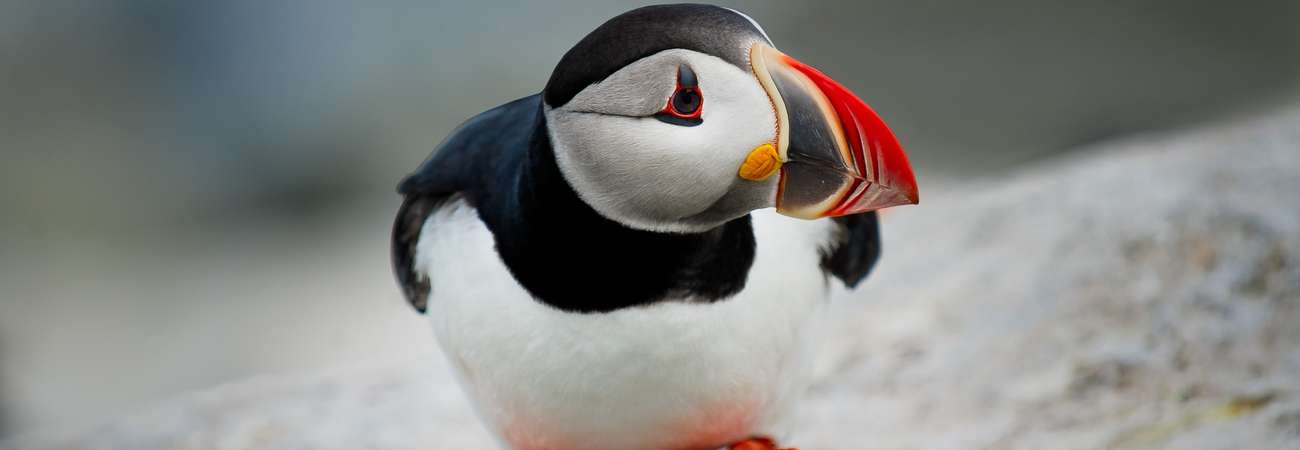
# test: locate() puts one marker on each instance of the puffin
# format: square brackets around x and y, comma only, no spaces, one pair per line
[639,256]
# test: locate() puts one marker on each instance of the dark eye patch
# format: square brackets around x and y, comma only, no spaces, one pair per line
[686,77]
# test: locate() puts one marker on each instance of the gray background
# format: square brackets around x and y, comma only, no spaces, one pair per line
[193,193]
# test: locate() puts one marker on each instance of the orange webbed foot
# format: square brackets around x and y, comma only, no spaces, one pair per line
[757,444]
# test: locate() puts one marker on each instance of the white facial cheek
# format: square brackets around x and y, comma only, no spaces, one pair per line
[637,171]
[672,173]
[748,112]
[651,175]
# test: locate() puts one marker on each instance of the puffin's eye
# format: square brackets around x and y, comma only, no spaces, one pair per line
[687,103]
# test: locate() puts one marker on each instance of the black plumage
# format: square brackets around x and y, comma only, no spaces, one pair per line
[562,251]
[643,32]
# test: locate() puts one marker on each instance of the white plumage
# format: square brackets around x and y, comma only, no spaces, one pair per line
[671,375]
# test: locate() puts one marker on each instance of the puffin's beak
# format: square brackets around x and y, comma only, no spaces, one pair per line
[835,155]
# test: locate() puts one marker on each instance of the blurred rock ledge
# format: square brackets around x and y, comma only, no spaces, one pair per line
[1144,296]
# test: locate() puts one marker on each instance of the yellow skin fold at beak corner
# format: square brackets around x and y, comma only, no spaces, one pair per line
[763,162]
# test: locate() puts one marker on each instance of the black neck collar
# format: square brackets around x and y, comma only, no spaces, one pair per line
[570,257]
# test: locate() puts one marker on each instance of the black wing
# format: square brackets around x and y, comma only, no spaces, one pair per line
[856,249]
[463,165]
[406,235]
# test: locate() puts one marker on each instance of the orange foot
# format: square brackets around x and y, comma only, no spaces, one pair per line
[757,444]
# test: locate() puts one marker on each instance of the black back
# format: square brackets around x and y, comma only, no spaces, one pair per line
[464,164]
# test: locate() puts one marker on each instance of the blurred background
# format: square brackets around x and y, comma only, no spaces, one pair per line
[198,192]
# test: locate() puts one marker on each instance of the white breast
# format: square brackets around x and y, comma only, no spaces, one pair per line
[673,375]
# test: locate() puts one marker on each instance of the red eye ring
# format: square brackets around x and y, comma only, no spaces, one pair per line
[685,99]
[686,104]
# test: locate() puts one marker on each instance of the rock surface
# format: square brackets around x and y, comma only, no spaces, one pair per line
[1141,295]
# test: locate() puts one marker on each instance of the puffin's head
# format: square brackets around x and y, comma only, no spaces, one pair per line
[680,118]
